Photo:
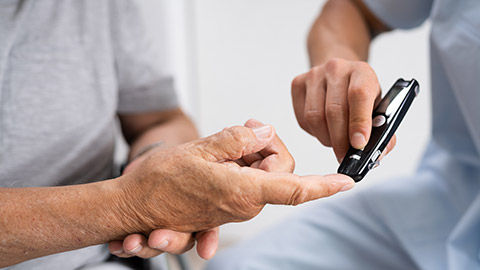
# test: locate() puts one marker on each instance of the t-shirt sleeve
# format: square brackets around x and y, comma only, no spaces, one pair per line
[144,70]
[403,14]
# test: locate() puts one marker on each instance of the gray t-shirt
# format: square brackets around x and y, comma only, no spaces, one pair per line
[67,67]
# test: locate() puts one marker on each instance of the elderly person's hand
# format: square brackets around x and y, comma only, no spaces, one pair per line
[212,181]
[273,158]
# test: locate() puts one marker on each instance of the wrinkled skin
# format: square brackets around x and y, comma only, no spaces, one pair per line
[227,177]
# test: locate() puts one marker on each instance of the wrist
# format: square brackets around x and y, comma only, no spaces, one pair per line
[147,148]
[138,156]
[119,207]
[129,211]
[320,57]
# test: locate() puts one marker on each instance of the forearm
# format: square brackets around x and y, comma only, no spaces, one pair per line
[173,132]
[341,31]
[172,128]
[36,222]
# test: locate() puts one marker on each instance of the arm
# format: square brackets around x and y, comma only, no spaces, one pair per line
[35,222]
[160,240]
[188,188]
[344,29]
[141,130]
[172,127]
[335,99]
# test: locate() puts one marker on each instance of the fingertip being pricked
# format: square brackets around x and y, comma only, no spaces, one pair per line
[341,182]
[347,187]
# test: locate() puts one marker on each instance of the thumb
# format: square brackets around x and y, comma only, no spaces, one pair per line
[291,189]
[235,142]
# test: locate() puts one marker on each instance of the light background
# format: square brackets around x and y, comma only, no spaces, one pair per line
[235,60]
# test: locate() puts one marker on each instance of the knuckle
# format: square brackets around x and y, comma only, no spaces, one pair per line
[297,84]
[238,134]
[334,65]
[311,77]
[291,163]
[358,93]
[315,74]
[287,164]
[299,195]
[358,122]
[334,110]
[362,65]
[314,118]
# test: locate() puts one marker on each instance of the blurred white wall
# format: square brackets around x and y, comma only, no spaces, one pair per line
[236,59]
[171,23]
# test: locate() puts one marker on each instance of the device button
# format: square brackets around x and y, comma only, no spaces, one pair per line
[373,165]
[376,155]
[378,121]
[355,156]
[417,90]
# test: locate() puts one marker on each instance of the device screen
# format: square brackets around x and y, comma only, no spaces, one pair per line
[387,100]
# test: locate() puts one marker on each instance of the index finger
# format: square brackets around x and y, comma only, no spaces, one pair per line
[291,189]
[362,93]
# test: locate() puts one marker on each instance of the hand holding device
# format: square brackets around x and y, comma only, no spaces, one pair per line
[334,102]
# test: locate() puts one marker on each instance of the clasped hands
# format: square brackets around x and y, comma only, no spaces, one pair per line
[180,195]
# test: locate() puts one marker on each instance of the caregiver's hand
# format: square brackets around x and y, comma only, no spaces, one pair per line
[202,184]
[334,102]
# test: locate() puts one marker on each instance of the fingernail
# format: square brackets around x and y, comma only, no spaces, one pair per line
[348,186]
[262,132]
[136,249]
[162,245]
[358,141]
[118,251]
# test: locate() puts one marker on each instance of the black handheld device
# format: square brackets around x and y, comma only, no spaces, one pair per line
[385,120]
